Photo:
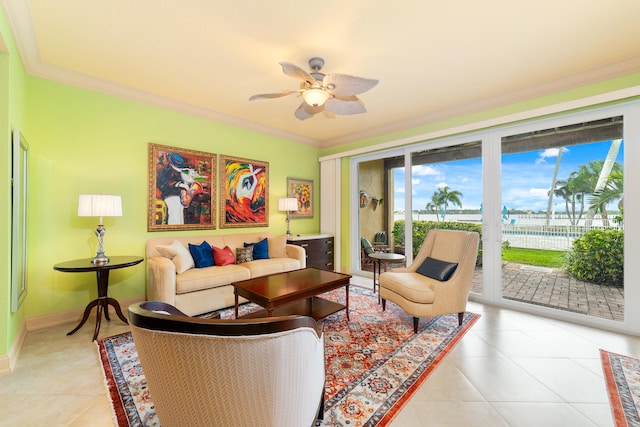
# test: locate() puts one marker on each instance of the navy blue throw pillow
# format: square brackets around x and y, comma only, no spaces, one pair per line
[202,254]
[260,249]
[436,269]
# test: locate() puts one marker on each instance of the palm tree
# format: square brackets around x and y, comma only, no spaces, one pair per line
[435,204]
[562,190]
[445,196]
[553,185]
[612,191]
[572,192]
[585,182]
[431,207]
[608,165]
[588,182]
[582,183]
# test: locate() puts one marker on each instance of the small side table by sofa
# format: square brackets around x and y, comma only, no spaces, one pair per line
[382,258]
[102,273]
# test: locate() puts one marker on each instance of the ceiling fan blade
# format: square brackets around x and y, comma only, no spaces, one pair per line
[292,70]
[329,114]
[306,111]
[272,95]
[345,105]
[345,85]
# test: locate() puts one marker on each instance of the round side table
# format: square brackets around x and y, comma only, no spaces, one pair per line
[102,274]
[382,258]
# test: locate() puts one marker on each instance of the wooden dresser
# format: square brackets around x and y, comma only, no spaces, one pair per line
[319,248]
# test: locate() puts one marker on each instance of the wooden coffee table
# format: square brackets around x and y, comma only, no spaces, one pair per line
[293,292]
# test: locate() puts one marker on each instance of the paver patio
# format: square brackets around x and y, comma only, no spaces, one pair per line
[556,289]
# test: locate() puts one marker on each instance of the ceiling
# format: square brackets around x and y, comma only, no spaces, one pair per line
[434,59]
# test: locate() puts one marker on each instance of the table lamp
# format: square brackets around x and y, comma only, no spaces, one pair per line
[99,205]
[288,204]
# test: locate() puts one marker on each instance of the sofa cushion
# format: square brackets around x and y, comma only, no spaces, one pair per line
[278,246]
[202,254]
[197,279]
[244,254]
[437,269]
[260,249]
[263,267]
[177,253]
[223,256]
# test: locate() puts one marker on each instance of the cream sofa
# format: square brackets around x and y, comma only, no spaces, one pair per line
[201,290]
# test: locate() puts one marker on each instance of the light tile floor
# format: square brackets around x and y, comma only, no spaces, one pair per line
[510,369]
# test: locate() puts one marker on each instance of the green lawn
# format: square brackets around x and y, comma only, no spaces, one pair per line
[539,257]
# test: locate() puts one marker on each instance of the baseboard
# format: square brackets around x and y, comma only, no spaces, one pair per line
[5,365]
[9,361]
[69,316]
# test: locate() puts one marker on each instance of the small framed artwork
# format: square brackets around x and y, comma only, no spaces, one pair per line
[181,189]
[244,192]
[301,189]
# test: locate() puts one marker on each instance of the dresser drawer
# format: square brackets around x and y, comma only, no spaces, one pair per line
[315,245]
[319,251]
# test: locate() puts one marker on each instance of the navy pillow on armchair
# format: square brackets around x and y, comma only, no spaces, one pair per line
[436,269]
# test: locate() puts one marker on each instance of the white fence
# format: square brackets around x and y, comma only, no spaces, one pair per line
[555,237]
[531,231]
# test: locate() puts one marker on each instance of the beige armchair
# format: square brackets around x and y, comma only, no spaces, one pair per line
[422,296]
[212,372]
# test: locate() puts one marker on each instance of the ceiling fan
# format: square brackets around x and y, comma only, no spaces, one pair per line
[332,93]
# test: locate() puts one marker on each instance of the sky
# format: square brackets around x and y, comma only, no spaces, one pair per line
[526,177]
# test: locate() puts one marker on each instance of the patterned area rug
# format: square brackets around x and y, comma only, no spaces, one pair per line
[622,375]
[374,362]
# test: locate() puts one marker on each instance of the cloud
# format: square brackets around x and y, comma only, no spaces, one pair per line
[526,198]
[523,193]
[539,193]
[441,185]
[415,181]
[424,170]
[549,152]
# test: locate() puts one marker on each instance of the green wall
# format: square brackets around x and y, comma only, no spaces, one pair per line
[12,115]
[85,142]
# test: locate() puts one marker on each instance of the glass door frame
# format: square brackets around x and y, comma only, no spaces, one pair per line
[492,190]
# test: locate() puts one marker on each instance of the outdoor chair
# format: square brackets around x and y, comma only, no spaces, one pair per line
[439,279]
[236,373]
[366,249]
[380,243]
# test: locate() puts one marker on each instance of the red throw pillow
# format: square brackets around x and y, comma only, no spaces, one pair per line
[223,256]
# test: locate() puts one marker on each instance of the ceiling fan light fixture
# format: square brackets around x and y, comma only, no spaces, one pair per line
[315,97]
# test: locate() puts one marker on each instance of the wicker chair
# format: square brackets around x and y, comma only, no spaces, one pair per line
[212,372]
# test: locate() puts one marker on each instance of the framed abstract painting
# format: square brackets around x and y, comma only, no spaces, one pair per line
[181,189]
[244,192]
[301,189]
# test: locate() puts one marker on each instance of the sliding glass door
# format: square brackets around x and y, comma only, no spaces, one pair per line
[563,218]
[446,192]
[547,197]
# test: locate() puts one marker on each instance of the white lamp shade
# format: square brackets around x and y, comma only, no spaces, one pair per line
[99,205]
[288,204]
[315,97]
